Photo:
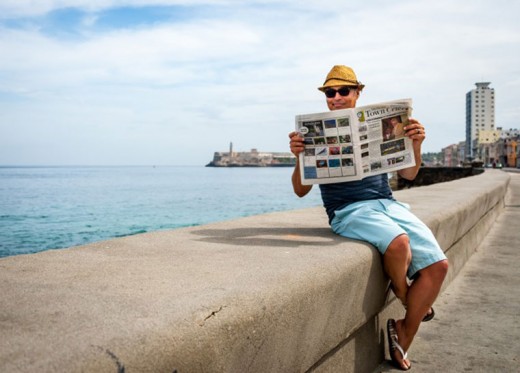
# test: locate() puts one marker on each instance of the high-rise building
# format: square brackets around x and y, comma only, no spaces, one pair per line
[480,115]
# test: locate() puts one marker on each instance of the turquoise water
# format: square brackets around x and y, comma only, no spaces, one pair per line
[44,208]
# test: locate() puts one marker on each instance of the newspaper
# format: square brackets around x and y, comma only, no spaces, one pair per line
[351,144]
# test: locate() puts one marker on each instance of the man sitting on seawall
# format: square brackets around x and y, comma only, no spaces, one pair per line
[366,210]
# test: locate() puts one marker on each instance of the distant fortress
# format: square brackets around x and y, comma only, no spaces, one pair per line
[254,158]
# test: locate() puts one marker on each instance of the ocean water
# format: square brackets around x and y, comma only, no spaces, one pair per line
[44,208]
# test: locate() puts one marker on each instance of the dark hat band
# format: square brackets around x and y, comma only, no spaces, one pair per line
[344,80]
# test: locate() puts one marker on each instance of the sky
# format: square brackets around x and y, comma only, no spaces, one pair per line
[169,82]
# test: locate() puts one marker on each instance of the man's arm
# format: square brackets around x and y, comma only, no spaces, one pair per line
[297,147]
[415,131]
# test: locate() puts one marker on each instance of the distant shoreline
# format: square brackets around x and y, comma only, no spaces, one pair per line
[253,158]
[211,164]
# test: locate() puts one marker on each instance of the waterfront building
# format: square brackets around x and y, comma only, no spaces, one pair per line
[461,153]
[253,158]
[487,147]
[510,133]
[498,147]
[453,155]
[518,157]
[480,115]
[511,152]
[511,139]
[447,154]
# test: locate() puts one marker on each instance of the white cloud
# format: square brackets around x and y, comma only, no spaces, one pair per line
[179,91]
[23,8]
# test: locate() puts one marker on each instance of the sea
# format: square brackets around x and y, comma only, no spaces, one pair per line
[44,208]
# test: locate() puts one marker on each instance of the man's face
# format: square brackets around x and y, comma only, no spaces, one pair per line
[342,102]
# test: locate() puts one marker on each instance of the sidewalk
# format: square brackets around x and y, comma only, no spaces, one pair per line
[477,322]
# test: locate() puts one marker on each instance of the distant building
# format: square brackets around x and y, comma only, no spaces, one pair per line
[511,138]
[447,153]
[480,115]
[461,152]
[489,137]
[511,152]
[486,147]
[453,155]
[510,133]
[518,157]
[498,147]
[253,158]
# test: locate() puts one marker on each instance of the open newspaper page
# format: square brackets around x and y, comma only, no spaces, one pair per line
[350,144]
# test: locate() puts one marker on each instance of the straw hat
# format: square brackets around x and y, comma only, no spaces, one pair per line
[341,75]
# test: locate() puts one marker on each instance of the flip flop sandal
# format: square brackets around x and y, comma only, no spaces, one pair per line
[429,315]
[393,345]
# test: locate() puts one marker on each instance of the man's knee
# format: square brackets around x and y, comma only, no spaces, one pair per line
[398,252]
[400,246]
[441,268]
[437,271]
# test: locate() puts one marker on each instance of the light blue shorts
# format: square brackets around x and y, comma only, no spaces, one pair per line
[380,221]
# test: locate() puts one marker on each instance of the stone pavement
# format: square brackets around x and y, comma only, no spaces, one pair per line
[477,322]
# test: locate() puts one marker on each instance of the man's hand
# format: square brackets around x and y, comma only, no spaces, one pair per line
[296,143]
[297,146]
[415,131]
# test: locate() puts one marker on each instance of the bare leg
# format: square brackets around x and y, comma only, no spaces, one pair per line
[421,295]
[396,261]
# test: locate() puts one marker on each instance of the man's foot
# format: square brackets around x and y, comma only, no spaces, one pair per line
[397,354]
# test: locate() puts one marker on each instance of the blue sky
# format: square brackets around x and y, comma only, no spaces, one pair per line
[101,82]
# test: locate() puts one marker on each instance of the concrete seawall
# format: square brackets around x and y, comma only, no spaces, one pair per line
[272,293]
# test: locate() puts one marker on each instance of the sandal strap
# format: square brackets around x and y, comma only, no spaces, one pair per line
[395,343]
[400,349]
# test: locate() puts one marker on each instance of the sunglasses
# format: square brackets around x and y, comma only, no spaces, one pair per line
[343,91]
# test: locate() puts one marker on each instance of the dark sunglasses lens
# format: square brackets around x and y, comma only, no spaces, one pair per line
[344,91]
[330,93]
